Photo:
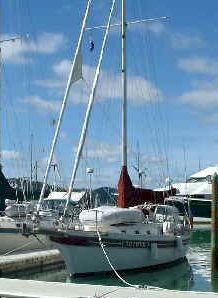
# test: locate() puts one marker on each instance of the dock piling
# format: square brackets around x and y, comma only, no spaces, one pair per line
[214,224]
[214,232]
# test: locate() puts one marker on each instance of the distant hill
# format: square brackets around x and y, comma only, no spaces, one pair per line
[100,196]
[105,195]
[20,189]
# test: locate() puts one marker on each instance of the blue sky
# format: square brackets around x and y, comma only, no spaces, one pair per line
[172,88]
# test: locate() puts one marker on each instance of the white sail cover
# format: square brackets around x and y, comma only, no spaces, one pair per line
[77,72]
[109,215]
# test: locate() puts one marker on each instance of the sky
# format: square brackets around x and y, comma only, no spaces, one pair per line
[172,75]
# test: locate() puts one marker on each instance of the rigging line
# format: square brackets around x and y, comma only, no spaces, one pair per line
[162,127]
[157,133]
[153,106]
[105,118]
[128,23]
[26,69]
[14,112]
[9,135]
[161,113]
[147,119]
[18,248]
[140,90]
[104,106]
[152,63]
[63,106]
[106,293]
[88,111]
[39,69]
[112,267]
[39,240]
[19,18]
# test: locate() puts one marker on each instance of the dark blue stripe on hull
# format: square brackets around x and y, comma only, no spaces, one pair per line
[93,241]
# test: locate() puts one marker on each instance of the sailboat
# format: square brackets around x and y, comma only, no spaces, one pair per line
[196,192]
[139,232]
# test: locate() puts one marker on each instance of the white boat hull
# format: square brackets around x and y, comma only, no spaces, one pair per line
[125,254]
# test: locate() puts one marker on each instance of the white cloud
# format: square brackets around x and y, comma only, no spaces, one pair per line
[153,159]
[10,154]
[212,118]
[201,98]
[186,41]
[17,51]
[105,151]
[50,83]
[139,89]
[62,68]
[199,65]
[42,104]
[156,27]
[111,153]
[204,93]
[203,84]
[61,71]
[47,43]
[178,40]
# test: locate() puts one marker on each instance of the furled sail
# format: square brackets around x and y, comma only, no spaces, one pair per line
[77,72]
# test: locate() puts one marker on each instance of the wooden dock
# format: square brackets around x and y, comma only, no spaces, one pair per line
[32,289]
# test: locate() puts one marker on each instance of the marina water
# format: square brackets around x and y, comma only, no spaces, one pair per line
[193,274]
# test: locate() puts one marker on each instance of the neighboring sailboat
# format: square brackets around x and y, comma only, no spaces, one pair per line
[197,191]
[111,238]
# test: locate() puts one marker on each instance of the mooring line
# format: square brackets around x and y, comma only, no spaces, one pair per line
[147,287]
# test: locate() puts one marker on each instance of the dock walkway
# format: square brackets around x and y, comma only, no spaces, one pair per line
[33,289]
[23,261]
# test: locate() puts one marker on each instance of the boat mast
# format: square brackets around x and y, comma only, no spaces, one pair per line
[31,160]
[124,87]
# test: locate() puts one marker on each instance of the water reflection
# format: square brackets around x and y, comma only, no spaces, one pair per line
[52,273]
[179,276]
[214,281]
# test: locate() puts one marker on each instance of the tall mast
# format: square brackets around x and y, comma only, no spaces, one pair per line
[124,183]
[31,160]
[124,87]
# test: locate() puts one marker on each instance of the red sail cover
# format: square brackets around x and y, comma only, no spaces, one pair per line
[129,196]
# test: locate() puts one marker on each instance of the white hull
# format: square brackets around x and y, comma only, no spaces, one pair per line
[88,258]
